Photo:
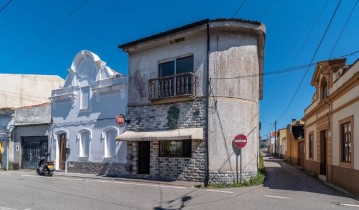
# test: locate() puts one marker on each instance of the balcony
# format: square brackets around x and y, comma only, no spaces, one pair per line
[180,87]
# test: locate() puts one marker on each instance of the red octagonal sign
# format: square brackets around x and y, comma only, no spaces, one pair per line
[240,141]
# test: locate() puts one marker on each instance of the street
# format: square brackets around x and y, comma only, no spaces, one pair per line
[286,187]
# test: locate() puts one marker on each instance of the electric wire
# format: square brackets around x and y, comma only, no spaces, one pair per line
[20,94]
[239,8]
[297,56]
[4,7]
[47,35]
[345,25]
[315,53]
[266,9]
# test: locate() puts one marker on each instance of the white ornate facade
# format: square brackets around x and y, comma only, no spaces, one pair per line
[83,130]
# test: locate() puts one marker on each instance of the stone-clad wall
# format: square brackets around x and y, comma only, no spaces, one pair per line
[228,176]
[154,118]
[108,169]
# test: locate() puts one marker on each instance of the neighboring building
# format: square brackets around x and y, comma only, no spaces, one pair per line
[6,127]
[331,124]
[295,143]
[83,129]
[18,90]
[282,142]
[271,143]
[30,135]
[185,90]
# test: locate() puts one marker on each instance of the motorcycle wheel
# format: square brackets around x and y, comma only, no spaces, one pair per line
[50,173]
[39,172]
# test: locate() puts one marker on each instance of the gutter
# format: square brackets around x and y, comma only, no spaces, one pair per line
[206,168]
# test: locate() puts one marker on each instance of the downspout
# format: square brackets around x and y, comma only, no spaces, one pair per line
[206,175]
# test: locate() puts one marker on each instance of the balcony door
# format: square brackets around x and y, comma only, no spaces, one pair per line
[173,81]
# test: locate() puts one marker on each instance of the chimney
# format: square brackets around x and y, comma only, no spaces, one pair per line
[293,121]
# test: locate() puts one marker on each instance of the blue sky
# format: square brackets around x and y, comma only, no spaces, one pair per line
[42,37]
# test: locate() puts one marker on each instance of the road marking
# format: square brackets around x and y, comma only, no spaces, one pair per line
[6,208]
[273,196]
[344,204]
[138,184]
[221,191]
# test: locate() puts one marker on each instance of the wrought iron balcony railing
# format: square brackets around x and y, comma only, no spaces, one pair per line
[179,85]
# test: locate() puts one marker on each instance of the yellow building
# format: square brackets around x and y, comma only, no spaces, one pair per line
[295,143]
[331,124]
[282,142]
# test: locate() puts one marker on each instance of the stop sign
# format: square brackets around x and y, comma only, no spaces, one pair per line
[120,120]
[240,141]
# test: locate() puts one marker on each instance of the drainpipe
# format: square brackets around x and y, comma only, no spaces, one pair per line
[206,175]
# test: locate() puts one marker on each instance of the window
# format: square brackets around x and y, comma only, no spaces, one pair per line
[176,66]
[323,89]
[175,148]
[311,145]
[84,144]
[110,144]
[346,141]
[85,98]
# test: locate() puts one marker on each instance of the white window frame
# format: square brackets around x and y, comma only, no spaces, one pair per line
[105,141]
[80,140]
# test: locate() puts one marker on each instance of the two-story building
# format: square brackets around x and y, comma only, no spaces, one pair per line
[331,124]
[83,118]
[192,90]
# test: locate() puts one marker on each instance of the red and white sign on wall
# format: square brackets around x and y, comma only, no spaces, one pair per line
[120,120]
[240,141]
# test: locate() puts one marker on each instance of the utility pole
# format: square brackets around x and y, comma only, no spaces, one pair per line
[275,138]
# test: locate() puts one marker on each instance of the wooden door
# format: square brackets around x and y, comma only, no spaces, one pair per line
[301,154]
[143,157]
[62,151]
[323,152]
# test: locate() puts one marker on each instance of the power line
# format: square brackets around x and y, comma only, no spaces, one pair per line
[266,9]
[340,35]
[7,4]
[239,8]
[4,91]
[299,52]
[47,35]
[315,53]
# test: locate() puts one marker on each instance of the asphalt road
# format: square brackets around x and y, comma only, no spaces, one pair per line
[286,187]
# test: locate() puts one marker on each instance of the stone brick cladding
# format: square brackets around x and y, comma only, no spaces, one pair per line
[154,118]
[107,169]
[228,177]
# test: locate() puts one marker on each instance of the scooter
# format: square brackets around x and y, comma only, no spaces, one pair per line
[45,168]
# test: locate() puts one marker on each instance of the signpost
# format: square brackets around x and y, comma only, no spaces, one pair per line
[120,120]
[239,142]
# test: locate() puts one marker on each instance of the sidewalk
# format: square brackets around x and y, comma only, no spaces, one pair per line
[95,176]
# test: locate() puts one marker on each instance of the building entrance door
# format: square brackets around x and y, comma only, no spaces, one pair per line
[33,148]
[143,157]
[62,151]
[301,154]
[323,152]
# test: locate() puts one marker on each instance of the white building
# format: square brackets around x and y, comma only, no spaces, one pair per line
[83,113]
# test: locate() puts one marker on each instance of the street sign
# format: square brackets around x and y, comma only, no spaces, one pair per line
[240,141]
[120,120]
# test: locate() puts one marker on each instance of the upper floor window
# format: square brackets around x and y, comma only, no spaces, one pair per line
[346,141]
[323,89]
[176,66]
[85,98]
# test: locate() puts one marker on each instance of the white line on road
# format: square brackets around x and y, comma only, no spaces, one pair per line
[273,196]
[221,191]
[6,208]
[349,205]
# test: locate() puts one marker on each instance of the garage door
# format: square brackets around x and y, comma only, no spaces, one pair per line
[32,149]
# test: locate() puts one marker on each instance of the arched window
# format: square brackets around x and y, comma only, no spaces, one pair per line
[323,88]
[110,144]
[84,148]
